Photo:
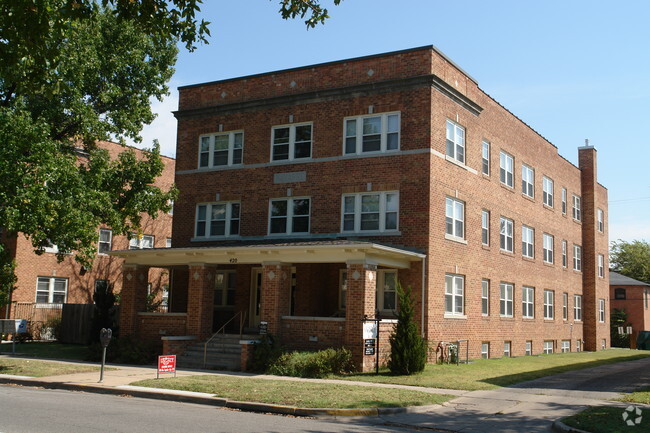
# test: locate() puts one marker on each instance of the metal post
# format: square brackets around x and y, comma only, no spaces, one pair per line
[377,352]
[101,374]
[105,338]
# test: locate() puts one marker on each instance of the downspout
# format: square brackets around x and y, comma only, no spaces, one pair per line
[424,292]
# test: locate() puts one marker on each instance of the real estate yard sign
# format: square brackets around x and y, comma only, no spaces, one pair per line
[166,364]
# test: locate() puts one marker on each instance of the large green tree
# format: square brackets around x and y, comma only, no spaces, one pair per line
[73,72]
[631,259]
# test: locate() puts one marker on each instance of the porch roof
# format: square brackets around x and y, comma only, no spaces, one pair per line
[298,251]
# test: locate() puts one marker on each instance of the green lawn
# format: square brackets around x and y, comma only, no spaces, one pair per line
[294,393]
[494,373]
[47,350]
[641,396]
[608,420]
[34,368]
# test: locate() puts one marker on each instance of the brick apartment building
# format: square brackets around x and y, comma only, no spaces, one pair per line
[44,284]
[307,194]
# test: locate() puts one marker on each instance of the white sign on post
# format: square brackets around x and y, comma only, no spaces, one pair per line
[369,330]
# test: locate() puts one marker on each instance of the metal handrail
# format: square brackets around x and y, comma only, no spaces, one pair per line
[242,319]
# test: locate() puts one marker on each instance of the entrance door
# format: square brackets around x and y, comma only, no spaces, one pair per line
[256,289]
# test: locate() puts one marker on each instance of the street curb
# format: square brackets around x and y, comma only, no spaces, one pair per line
[559,427]
[210,400]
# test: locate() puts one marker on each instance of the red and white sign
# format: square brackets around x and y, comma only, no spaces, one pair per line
[167,364]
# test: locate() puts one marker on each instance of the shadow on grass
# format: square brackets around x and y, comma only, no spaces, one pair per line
[48,350]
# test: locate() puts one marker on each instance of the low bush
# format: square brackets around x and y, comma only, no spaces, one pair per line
[125,350]
[313,364]
[266,351]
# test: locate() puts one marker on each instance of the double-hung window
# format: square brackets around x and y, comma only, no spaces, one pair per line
[548,248]
[372,133]
[141,242]
[527,242]
[577,258]
[455,218]
[547,191]
[601,266]
[221,150]
[506,169]
[485,297]
[455,141]
[370,212]
[387,290]
[577,215]
[566,346]
[601,310]
[548,347]
[291,142]
[506,299]
[505,237]
[485,157]
[528,302]
[217,220]
[565,306]
[51,290]
[105,241]
[564,255]
[600,220]
[527,181]
[485,227]
[577,307]
[549,304]
[289,215]
[454,294]
[564,194]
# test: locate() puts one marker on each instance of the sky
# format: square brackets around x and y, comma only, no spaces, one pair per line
[572,70]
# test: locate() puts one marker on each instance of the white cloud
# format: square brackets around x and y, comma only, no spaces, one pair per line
[163,128]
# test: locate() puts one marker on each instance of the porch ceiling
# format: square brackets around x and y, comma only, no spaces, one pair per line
[339,251]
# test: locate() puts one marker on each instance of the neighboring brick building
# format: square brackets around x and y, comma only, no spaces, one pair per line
[633,297]
[43,283]
[306,194]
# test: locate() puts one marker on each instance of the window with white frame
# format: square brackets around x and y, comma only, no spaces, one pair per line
[506,169]
[105,241]
[529,348]
[454,294]
[564,195]
[506,349]
[217,219]
[527,242]
[527,302]
[141,242]
[549,304]
[506,299]
[565,306]
[577,215]
[601,266]
[221,150]
[289,216]
[343,288]
[578,345]
[51,290]
[291,142]
[455,141]
[548,346]
[485,157]
[548,248]
[547,191]
[168,243]
[485,297]
[601,310]
[565,261]
[225,286]
[372,133]
[527,181]
[485,227]
[577,258]
[370,212]
[485,350]
[455,218]
[577,307]
[600,220]
[506,235]
[386,290]
[566,346]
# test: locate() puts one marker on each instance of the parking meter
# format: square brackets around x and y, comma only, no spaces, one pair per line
[104,338]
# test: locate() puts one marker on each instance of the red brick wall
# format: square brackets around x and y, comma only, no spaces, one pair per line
[153,326]
[637,314]
[296,333]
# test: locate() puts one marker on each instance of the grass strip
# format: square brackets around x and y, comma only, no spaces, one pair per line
[494,373]
[296,393]
[606,419]
[640,396]
[51,350]
[34,368]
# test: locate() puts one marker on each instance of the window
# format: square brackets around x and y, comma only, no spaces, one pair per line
[619,293]
[51,248]
[455,141]
[105,241]
[506,235]
[485,350]
[601,266]
[527,181]
[529,348]
[506,164]
[485,154]
[527,242]
[485,297]
[51,290]
[343,288]
[578,345]
[548,346]
[528,302]
[288,216]
[548,248]
[485,227]
[225,286]
[221,150]
[577,257]
[217,220]
[291,142]
[370,212]
[549,307]
[565,306]
[577,307]
[455,218]
[601,310]
[600,220]
[645,298]
[563,201]
[375,133]
[454,293]
[566,346]
[141,242]
[506,300]
[564,255]
[387,290]
[547,191]
[603,344]
[576,208]
[168,243]
[506,349]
